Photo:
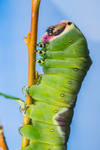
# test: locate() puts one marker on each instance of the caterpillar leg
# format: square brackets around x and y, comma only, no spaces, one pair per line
[40,61]
[41,44]
[23,109]
[41,52]
[25,90]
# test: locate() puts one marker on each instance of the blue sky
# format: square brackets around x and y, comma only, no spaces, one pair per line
[14,25]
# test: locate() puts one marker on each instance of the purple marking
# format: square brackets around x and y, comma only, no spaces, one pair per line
[62,119]
[46,37]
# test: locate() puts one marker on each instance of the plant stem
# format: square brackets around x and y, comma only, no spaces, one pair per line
[3,144]
[31,40]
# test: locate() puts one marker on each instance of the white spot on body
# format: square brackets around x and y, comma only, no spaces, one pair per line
[69,82]
[51,130]
[56,111]
[62,95]
[70,41]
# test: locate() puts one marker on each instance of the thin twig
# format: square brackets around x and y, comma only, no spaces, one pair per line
[31,40]
[3,144]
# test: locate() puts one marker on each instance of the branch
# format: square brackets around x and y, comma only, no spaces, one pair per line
[31,40]
[3,144]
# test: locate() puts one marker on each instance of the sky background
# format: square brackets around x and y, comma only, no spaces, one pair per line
[15,18]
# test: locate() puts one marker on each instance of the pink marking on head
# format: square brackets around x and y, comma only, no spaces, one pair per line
[64,22]
[46,37]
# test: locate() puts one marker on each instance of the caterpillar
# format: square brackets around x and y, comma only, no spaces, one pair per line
[65,60]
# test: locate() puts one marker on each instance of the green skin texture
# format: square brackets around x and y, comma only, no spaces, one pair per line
[66,63]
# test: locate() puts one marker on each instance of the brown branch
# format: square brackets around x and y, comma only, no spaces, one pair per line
[3,144]
[31,40]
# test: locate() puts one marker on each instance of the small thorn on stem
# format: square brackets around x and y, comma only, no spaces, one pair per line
[25,39]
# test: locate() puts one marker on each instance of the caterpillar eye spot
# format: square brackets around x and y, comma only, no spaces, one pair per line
[56,29]
[50,29]
[69,23]
[50,33]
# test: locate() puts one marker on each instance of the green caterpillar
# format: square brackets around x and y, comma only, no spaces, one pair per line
[65,61]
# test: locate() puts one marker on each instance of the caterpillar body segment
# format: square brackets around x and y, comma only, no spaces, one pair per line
[39,145]
[78,49]
[65,61]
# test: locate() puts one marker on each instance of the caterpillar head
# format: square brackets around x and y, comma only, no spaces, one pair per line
[57,30]
[61,34]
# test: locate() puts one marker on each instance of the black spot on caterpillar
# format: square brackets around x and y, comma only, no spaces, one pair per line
[65,64]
